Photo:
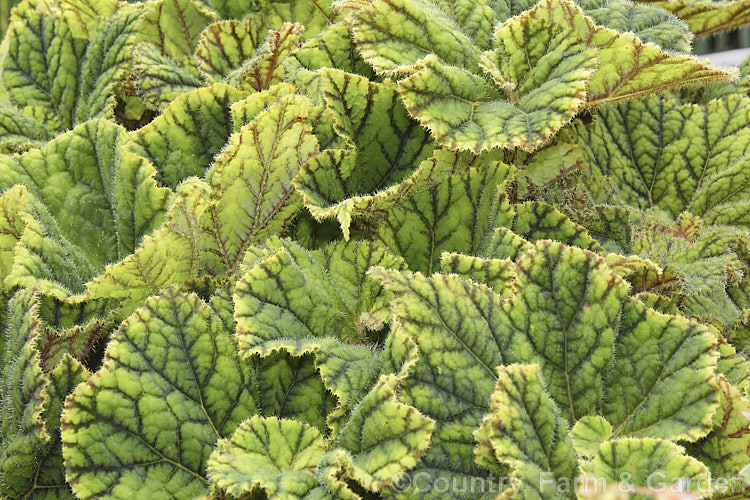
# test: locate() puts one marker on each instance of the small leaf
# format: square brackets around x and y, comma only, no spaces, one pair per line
[589,433]
[276,455]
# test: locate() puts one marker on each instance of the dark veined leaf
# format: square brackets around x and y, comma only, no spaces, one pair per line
[461,215]
[318,302]
[382,146]
[252,195]
[525,430]
[103,198]
[31,400]
[677,157]
[648,23]
[171,386]
[649,463]
[289,459]
[570,62]
[174,28]
[55,76]
[705,16]
[314,15]
[184,140]
[566,297]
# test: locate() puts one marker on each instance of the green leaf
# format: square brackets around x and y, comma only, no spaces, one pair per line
[252,195]
[171,256]
[276,455]
[461,214]
[647,23]
[458,215]
[240,53]
[331,48]
[293,387]
[302,302]
[725,449]
[705,16]
[184,140]
[84,17]
[294,294]
[289,459]
[103,198]
[383,436]
[647,462]
[570,314]
[548,165]
[18,129]
[174,28]
[157,79]
[44,257]
[171,386]
[589,433]
[542,69]
[384,144]
[56,76]
[677,157]
[14,203]
[394,35]
[703,260]
[314,15]
[525,430]
[627,67]
[225,45]
[24,391]
[497,274]
[662,383]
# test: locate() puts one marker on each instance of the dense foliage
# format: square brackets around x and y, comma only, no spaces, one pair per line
[373,249]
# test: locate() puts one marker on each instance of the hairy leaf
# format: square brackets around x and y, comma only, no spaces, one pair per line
[649,24]
[277,455]
[174,28]
[103,198]
[171,256]
[677,157]
[184,140]
[296,294]
[627,67]
[654,463]
[565,316]
[55,76]
[384,145]
[541,68]
[157,79]
[171,386]
[706,16]
[525,430]
[252,192]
